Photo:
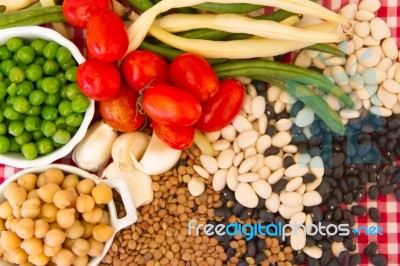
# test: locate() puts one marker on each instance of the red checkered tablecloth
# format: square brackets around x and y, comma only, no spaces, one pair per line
[389,242]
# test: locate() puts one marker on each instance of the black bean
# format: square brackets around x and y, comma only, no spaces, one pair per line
[373,192]
[261,87]
[260,244]
[349,244]
[359,194]
[381,179]
[355,260]
[344,258]
[246,214]
[337,214]
[271,130]
[279,219]
[371,249]
[296,108]
[318,237]
[351,170]
[223,212]
[397,194]
[269,111]
[332,203]
[386,189]
[228,194]
[260,257]
[353,182]
[358,210]
[343,185]
[323,188]
[333,262]
[390,170]
[378,260]
[266,216]
[310,241]
[251,249]
[374,214]
[337,238]
[338,159]
[348,198]
[237,208]
[326,256]
[300,258]
[271,151]
[395,178]
[394,123]
[313,262]
[324,244]
[347,215]
[308,178]
[279,186]
[363,176]
[242,263]
[288,161]
[316,214]
[224,238]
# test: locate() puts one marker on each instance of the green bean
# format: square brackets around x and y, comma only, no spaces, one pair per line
[186,10]
[283,72]
[24,14]
[228,8]
[141,5]
[38,20]
[326,48]
[277,15]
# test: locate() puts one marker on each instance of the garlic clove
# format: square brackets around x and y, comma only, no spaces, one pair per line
[94,150]
[139,183]
[158,157]
[134,143]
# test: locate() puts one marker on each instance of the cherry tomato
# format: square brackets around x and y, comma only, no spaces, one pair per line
[120,112]
[98,80]
[171,106]
[141,67]
[194,74]
[106,38]
[176,137]
[78,12]
[220,110]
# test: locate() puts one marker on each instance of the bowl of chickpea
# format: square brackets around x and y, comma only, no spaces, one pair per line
[59,215]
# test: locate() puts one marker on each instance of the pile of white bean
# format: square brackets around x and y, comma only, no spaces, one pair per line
[370,73]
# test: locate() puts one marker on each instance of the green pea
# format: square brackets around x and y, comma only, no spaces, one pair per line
[26,54]
[6,66]
[61,78]
[37,97]
[32,123]
[3,89]
[16,75]
[1,115]
[50,50]
[72,91]
[34,110]
[53,99]
[38,45]
[10,100]
[4,53]
[80,104]
[49,113]
[21,104]
[25,88]
[16,128]
[14,146]
[29,151]
[11,114]
[61,122]
[72,130]
[39,83]
[48,128]
[12,89]
[50,67]
[13,44]
[70,73]
[63,91]
[3,129]
[4,144]
[34,72]
[7,81]
[69,64]
[24,138]
[64,108]
[63,55]
[50,85]
[40,60]
[37,134]
[74,120]
[44,146]
[62,136]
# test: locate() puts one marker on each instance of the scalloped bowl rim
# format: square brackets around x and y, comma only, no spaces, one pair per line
[32,32]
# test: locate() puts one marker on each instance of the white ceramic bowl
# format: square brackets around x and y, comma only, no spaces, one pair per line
[31,33]
[118,184]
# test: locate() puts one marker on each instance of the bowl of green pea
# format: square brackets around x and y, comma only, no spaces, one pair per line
[43,114]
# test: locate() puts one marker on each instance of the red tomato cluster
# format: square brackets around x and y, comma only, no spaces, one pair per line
[182,96]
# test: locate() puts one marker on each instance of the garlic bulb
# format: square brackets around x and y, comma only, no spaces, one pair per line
[94,151]
[139,183]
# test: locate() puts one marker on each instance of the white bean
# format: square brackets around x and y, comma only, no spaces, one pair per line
[379,29]
[389,47]
[370,5]
[258,106]
[362,29]
[391,85]
[364,15]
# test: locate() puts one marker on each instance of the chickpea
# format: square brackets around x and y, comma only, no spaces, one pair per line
[55,225]
[102,232]
[18,256]
[32,246]
[63,199]
[85,186]
[96,248]
[31,208]
[80,247]
[81,261]
[17,213]
[27,181]
[5,210]
[88,229]
[102,193]
[25,228]
[9,240]
[16,196]
[48,212]
[26,263]
[65,258]
[51,251]
[74,196]
[2,225]
[68,243]
[76,231]
[46,192]
[41,228]
[33,194]
[41,180]
[70,181]
[7,189]
[94,216]
[10,223]
[54,175]
[66,217]
[105,219]
[39,260]
[84,203]
[54,237]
